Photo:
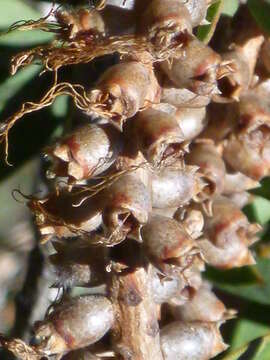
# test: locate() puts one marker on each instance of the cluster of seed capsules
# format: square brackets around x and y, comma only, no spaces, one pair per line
[155,185]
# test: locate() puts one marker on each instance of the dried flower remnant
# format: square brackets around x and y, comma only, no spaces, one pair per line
[191,340]
[73,324]
[86,152]
[228,235]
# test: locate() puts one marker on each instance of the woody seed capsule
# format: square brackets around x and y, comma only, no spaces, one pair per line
[73,324]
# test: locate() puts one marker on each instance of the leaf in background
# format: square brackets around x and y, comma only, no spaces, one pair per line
[13,84]
[230,7]
[257,349]
[205,32]
[17,10]
[259,292]
[261,209]
[260,9]
[247,330]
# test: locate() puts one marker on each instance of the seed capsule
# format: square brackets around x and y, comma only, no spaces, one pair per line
[228,235]
[237,183]
[194,69]
[174,186]
[191,219]
[82,24]
[79,264]
[204,306]
[242,62]
[74,324]
[191,340]
[158,136]
[164,21]
[88,151]
[123,90]
[166,242]
[191,121]
[211,166]
[64,214]
[183,97]
[247,149]
[127,205]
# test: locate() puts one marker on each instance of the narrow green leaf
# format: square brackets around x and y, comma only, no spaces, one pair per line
[234,355]
[13,84]
[205,32]
[247,330]
[16,10]
[259,292]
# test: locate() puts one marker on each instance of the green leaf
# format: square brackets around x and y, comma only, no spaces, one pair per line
[13,84]
[230,7]
[260,9]
[261,209]
[259,292]
[16,10]
[247,330]
[235,355]
[205,32]
[25,38]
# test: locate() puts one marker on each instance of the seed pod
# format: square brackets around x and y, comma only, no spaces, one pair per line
[228,235]
[211,166]
[237,183]
[241,60]
[175,186]
[88,151]
[195,68]
[191,121]
[204,306]
[168,212]
[176,289]
[191,340]
[241,199]
[126,209]
[74,324]
[64,214]
[166,242]
[164,288]
[247,149]
[183,97]
[158,136]
[123,90]
[79,264]
[191,219]
[83,24]
[165,22]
